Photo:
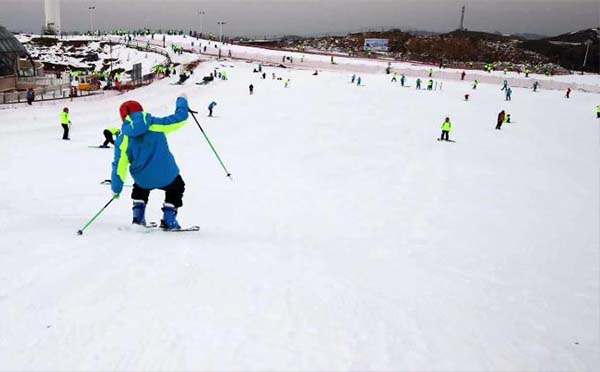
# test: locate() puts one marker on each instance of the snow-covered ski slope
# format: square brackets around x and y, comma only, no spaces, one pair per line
[349,239]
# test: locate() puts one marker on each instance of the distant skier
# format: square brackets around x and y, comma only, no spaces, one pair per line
[394,77]
[109,133]
[142,150]
[402,80]
[287,82]
[30,96]
[535,86]
[211,106]
[568,95]
[251,89]
[74,86]
[598,111]
[419,83]
[475,84]
[507,118]
[446,128]
[65,122]
[316,73]
[501,117]
[467,97]
[430,72]
[430,85]
[462,75]
[353,78]
[358,81]
[504,85]
[508,94]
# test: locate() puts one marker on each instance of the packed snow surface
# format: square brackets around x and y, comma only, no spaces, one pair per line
[349,239]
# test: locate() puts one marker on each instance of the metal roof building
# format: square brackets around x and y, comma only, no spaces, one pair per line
[10,52]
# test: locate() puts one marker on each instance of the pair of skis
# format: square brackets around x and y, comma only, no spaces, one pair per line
[154,225]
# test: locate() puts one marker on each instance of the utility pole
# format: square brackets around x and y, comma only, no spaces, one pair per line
[91,9]
[587,50]
[201,14]
[462,18]
[221,23]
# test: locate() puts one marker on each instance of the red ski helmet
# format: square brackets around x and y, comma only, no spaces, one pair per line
[128,108]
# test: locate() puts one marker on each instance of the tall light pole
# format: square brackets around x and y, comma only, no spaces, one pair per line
[201,14]
[221,23]
[91,9]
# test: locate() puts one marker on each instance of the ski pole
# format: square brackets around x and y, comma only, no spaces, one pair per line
[80,232]
[210,144]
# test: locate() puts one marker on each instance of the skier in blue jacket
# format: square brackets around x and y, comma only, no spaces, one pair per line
[142,150]
[211,107]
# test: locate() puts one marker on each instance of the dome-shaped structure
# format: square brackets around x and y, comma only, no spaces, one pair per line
[10,52]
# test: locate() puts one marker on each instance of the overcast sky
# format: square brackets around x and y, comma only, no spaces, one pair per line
[305,17]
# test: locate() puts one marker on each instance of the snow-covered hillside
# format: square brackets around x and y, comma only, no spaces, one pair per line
[349,239]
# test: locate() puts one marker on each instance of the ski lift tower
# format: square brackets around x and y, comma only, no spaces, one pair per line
[52,13]
[462,18]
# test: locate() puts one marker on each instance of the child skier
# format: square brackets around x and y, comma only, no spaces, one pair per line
[251,89]
[419,83]
[446,128]
[144,143]
[30,96]
[501,117]
[211,106]
[108,135]
[65,122]
[475,84]
[508,94]
[568,95]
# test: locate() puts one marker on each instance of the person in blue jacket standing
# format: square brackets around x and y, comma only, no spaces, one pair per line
[142,150]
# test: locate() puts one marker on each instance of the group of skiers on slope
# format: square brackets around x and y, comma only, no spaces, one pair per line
[141,149]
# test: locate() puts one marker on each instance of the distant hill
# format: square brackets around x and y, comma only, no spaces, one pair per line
[466,48]
[582,36]
[528,36]
[568,50]
[480,35]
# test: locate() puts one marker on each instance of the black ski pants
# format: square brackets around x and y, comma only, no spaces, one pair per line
[499,125]
[108,138]
[65,131]
[173,192]
[445,135]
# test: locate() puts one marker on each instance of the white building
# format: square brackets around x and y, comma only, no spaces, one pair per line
[52,12]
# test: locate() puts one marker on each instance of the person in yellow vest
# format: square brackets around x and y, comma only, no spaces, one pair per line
[65,122]
[110,134]
[446,128]
[598,111]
